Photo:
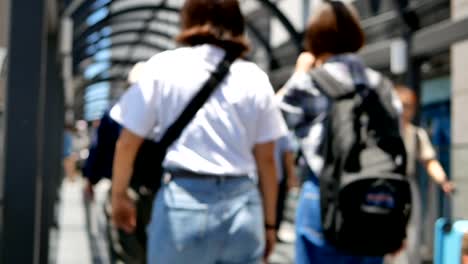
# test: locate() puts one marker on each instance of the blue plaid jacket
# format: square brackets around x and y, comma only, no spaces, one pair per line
[305,108]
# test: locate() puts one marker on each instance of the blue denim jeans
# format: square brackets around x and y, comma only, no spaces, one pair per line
[209,221]
[311,247]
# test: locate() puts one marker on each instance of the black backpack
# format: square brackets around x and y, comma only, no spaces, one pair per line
[365,195]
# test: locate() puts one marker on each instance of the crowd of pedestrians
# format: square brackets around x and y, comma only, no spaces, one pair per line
[235,148]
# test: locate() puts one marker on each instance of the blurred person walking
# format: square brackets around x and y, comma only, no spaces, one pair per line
[209,208]
[285,156]
[419,149]
[70,157]
[330,77]
[125,247]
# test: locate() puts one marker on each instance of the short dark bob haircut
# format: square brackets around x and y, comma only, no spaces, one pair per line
[217,22]
[334,29]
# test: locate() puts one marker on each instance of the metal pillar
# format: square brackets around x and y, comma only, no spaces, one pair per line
[52,145]
[411,25]
[23,155]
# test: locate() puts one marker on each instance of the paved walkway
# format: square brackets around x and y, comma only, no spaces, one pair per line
[73,245]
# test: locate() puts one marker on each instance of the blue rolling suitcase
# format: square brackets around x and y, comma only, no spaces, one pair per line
[448,238]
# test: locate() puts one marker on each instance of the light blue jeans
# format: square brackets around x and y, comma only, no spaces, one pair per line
[207,221]
[311,246]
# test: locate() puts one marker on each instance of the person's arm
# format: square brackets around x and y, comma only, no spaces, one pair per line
[265,160]
[427,156]
[300,101]
[88,171]
[436,172]
[304,63]
[136,113]
[123,210]
[290,168]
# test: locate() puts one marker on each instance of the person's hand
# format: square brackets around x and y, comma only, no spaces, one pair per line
[305,62]
[89,191]
[448,187]
[123,212]
[393,255]
[270,236]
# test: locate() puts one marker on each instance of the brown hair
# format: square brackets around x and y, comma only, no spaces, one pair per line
[217,22]
[334,28]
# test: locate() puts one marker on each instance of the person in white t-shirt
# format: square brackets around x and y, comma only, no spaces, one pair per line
[209,209]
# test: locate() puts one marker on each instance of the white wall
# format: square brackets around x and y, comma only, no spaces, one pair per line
[459,111]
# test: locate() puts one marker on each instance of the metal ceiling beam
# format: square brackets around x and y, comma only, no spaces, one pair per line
[85,9]
[273,61]
[82,46]
[110,79]
[255,32]
[113,18]
[106,21]
[85,30]
[144,43]
[295,36]
[122,20]
[426,42]
[89,7]
[141,35]
[439,37]
[123,62]
[119,17]
[101,77]
[113,63]
[81,90]
[114,22]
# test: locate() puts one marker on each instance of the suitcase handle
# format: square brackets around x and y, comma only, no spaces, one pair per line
[447,211]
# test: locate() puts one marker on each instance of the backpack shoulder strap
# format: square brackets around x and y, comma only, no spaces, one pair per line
[329,86]
[387,96]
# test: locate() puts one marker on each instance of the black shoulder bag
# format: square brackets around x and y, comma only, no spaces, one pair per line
[147,170]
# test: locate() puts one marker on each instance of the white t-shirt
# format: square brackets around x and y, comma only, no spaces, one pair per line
[242,111]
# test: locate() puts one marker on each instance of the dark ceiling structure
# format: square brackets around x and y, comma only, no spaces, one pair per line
[116,34]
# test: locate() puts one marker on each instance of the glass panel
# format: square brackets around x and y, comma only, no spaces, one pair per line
[97,16]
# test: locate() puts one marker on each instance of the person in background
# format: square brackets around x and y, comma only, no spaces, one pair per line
[70,157]
[129,248]
[285,155]
[105,131]
[332,39]
[419,149]
[218,200]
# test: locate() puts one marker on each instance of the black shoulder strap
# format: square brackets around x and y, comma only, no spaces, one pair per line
[386,94]
[175,130]
[329,86]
